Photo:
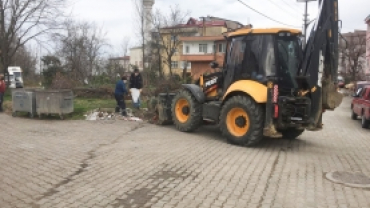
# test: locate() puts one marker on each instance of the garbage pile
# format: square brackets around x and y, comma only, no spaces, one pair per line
[110,116]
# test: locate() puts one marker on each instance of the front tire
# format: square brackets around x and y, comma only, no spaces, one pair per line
[364,122]
[241,121]
[186,112]
[353,115]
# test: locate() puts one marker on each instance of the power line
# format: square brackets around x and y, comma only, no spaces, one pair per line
[265,15]
[289,5]
[277,5]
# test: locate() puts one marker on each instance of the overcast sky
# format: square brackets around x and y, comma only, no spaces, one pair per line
[116,16]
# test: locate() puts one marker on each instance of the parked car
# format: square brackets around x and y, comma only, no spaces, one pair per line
[341,82]
[360,84]
[361,106]
[15,77]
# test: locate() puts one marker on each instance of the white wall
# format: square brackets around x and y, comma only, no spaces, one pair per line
[136,55]
[194,47]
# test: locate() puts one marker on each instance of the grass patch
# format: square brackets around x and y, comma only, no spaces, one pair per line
[8,95]
[82,106]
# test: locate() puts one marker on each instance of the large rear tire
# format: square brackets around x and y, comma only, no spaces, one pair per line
[353,115]
[364,122]
[292,133]
[241,121]
[186,112]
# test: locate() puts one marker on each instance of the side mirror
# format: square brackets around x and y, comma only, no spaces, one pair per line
[214,65]
[357,94]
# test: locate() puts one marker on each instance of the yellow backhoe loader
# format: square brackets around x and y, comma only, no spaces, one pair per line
[268,85]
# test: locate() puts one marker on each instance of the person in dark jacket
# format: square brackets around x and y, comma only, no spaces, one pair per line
[2,91]
[136,82]
[119,94]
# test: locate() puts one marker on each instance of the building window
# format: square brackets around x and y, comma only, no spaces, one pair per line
[203,48]
[185,64]
[187,49]
[174,37]
[221,48]
[174,64]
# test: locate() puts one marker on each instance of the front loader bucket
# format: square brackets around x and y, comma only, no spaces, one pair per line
[163,108]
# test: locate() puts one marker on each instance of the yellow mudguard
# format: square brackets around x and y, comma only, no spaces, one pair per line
[254,89]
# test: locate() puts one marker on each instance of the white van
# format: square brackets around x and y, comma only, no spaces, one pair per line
[15,77]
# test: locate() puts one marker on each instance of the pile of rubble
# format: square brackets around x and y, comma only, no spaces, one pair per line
[110,115]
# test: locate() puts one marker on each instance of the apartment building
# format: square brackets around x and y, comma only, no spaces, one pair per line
[136,57]
[353,47]
[200,36]
[123,62]
[199,51]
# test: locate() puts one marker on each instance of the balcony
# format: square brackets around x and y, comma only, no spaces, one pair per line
[205,57]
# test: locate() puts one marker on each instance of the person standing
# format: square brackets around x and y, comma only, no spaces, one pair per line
[136,85]
[2,91]
[119,94]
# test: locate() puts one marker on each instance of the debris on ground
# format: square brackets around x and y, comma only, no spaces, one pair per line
[108,115]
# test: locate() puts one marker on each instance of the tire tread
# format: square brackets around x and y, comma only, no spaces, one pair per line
[195,119]
[256,117]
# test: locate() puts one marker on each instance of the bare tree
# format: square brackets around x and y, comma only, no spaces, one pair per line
[169,31]
[26,60]
[24,20]
[125,45]
[352,54]
[81,48]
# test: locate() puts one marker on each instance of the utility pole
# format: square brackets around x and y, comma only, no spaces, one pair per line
[305,22]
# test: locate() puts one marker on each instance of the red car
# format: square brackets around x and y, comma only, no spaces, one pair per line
[360,84]
[361,106]
[341,82]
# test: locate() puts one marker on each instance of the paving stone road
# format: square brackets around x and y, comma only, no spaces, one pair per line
[127,164]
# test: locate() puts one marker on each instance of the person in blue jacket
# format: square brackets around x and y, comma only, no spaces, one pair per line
[119,94]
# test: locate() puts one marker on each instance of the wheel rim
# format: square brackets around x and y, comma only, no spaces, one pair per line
[182,110]
[237,122]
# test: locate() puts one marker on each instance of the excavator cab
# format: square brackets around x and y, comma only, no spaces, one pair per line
[256,54]
[260,54]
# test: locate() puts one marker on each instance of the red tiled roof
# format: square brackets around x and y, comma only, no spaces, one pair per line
[192,22]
